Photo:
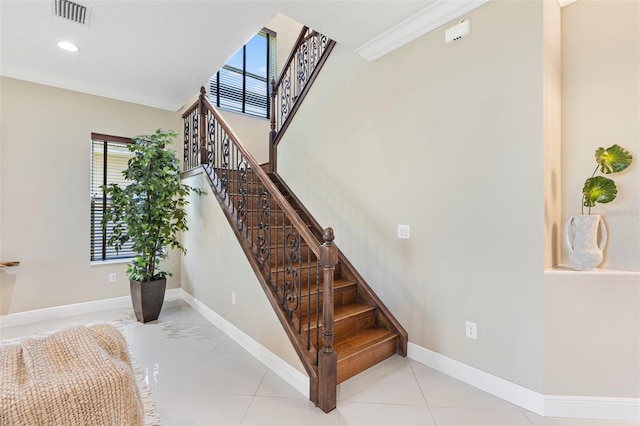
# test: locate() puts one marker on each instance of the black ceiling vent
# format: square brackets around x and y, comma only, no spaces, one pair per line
[72,11]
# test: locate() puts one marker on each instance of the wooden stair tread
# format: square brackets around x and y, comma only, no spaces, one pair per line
[361,340]
[338,283]
[341,312]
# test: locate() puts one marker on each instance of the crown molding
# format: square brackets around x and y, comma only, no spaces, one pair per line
[428,19]
[89,89]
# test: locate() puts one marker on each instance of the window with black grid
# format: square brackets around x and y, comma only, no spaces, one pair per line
[109,157]
[243,83]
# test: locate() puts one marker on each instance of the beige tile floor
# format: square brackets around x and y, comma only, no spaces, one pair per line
[199,376]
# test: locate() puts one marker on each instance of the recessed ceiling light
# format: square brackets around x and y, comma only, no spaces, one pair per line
[68,46]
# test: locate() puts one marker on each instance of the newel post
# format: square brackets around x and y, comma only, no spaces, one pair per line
[327,358]
[273,133]
[202,126]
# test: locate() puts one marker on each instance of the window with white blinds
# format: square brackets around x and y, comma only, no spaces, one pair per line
[243,84]
[109,157]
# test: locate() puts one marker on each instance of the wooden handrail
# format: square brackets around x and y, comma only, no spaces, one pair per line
[282,202]
[8,264]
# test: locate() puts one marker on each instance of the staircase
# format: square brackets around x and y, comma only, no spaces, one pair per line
[336,323]
[364,335]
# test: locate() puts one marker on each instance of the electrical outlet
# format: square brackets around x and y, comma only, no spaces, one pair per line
[404,232]
[113,278]
[471,330]
[233,297]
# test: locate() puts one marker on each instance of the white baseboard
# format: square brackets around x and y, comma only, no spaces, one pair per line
[511,392]
[48,314]
[297,379]
[592,407]
[545,405]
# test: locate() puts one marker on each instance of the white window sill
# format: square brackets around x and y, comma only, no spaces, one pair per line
[110,262]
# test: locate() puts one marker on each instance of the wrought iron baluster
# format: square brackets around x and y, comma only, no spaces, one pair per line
[264,229]
[318,304]
[308,299]
[219,138]
[313,55]
[285,98]
[291,285]
[194,136]
[185,160]
[241,204]
[225,168]
[249,227]
[284,252]
[303,64]
[211,130]
[233,174]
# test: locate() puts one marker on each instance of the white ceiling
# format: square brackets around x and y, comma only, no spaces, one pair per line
[159,53]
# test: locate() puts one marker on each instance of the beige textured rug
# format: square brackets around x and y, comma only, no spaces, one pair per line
[78,376]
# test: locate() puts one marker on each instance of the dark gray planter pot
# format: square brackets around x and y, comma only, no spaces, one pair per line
[147,298]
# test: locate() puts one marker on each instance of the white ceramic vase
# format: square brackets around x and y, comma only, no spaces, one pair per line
[581,239]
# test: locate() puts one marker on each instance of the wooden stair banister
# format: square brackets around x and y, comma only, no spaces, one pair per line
[228,164]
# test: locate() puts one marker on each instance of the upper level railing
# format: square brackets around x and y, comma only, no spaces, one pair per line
[305,61]
[286,255]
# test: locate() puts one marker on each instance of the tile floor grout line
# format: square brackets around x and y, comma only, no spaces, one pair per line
[422,392]
[527,417]
[244,415]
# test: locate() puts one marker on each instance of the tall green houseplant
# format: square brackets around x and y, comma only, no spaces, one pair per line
[149,212]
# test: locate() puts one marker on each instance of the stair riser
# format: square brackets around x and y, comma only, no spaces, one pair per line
[303,278]
[345,327]
[357,363]
[340,296]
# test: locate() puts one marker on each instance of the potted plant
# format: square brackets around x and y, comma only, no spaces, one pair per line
[581,232]
[150,213]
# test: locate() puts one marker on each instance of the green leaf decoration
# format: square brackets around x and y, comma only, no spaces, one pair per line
[613,159]
[599,189]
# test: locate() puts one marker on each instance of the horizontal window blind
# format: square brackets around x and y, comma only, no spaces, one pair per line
[109,157]
[243,84]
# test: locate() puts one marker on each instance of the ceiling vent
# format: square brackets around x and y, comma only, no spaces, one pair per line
[72,11]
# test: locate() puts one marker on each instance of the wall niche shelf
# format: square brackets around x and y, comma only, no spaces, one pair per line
[568,270]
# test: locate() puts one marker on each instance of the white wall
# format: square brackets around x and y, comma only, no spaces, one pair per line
[44,180]
[592,334]
[447,138]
